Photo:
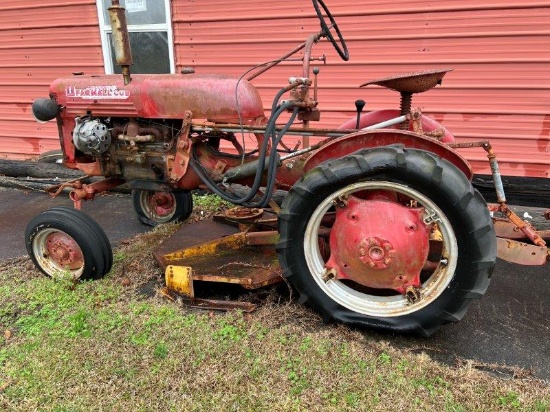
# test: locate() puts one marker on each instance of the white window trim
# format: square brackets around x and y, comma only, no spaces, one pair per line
[105,30]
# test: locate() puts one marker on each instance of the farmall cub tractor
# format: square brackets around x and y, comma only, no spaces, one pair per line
[380,227]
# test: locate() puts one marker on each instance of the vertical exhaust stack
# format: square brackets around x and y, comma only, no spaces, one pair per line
[121,39]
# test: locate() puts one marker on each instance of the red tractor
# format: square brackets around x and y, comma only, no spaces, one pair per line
[381,226]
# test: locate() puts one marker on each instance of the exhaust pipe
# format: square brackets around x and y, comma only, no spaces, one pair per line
[121,39]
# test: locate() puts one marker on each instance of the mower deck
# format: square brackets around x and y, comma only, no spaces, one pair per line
[211,251]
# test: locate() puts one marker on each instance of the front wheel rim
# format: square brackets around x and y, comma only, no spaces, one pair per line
[160,207]
[371,304]
[58,254]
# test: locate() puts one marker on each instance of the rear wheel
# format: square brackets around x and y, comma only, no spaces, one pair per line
[391,238]
[153,208]
[66,242]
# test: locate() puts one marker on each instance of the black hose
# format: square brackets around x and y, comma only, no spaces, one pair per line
[272,173]
[270,134]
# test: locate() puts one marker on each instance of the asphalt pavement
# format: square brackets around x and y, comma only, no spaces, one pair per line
[509,327]
[114,212]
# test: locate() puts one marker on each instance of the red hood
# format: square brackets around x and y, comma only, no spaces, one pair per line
[165,96]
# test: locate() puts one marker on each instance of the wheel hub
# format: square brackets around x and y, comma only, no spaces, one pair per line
[64,251]
[162,203]
[378,244]
[376,252]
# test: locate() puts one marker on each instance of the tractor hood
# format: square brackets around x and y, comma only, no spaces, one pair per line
[161,96]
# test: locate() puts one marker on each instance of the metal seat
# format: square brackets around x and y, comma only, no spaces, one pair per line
[412,82]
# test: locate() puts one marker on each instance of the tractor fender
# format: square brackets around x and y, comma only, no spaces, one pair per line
[350,143]
[379,116]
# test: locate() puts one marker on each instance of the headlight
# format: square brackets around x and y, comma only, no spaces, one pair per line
[45,109]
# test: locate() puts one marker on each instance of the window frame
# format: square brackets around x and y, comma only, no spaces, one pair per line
[105,30]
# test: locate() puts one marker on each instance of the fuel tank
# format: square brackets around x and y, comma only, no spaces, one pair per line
[160,96]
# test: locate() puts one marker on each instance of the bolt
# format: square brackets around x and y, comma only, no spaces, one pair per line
[329,274]
[412,294]
[341,201]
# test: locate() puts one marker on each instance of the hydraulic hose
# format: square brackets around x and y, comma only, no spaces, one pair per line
[273,160]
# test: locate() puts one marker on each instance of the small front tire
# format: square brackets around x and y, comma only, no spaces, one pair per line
[154,208]
[63,241]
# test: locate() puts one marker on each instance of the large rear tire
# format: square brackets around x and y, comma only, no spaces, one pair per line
[461,247]
[63,241]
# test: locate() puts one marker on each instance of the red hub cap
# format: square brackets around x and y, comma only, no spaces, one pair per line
[162,203]
[64,251]
[378,244]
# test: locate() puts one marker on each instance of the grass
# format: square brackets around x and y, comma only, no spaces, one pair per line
[103,345]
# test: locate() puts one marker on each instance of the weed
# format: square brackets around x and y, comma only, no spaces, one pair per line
[432,385]
[161,350]
[228,332]
[298,381]
[306,344]
[261,333]
[539,406]
[510,399]
[209,203]
[78,325]
[140,338]
[402,365]
[119,256]
[384,358]
[352,399]
[451,406]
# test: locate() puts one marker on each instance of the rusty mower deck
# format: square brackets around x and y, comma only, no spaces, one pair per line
[220,251]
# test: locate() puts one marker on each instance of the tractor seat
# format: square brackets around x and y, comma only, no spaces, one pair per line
[412,82]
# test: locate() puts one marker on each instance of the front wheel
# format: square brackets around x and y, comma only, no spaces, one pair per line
[64,242]
[153,208]
[391,238]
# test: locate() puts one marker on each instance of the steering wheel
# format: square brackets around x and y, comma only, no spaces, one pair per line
[340,45]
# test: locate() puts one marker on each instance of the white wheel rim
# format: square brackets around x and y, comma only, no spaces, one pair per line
[46,263]
[374,305]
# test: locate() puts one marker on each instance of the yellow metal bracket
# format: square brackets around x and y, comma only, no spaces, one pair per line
[180,280]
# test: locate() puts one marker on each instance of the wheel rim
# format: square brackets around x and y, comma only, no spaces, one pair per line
[58,254]
[378,303]
[158,206]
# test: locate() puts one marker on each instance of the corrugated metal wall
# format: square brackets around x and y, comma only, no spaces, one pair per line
[40,41]
[500,50]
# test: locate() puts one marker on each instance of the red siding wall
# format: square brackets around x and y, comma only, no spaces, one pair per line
[500,50]
[40,41]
